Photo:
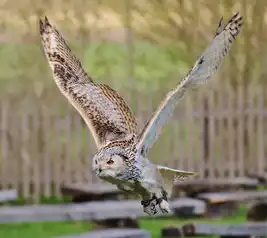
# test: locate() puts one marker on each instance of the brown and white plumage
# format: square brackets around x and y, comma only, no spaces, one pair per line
[122,153]
[207,64]
[103,109]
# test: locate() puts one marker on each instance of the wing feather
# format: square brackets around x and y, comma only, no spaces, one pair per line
[205,67]
[105,112]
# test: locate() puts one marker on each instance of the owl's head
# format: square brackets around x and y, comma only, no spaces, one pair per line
[110,162]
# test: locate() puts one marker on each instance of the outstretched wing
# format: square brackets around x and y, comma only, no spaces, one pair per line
[104,111]
[206,65]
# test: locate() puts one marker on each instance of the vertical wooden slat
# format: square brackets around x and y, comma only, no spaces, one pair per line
[221,132]
[199,105]
[58,160]
[181,133]
[68,145]
[4,143]
[190,134]
[240,129]
[260,131]
[89,150]
[36,156]
[14,156]
[196,152]
[25,154]
[47,157]
[212,156]
[231,132]
[79,169]
[251,131]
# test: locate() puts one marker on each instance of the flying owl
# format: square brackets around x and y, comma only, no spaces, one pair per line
[121,158]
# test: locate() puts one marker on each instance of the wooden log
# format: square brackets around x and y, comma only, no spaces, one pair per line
[171,232]
[91,192]
[115,223]
[193,187]
[187,207]
[8,195]
[99,192]
[235,182]
[232,196]
[257,211]
[226,203]
[261,177]
[237,230]
[112,233]
[88,211]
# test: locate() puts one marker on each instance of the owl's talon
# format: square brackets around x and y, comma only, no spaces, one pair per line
[164,206]
[150,207]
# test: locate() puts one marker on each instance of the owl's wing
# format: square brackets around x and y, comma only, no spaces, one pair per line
[205,67]
[107,115]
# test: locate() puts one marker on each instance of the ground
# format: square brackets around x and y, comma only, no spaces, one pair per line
[53,229]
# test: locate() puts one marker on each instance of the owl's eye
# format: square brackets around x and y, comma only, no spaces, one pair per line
[110,162]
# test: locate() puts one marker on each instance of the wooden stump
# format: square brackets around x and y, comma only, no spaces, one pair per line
[115,223]
[223,209]
[257,211]
[171,232]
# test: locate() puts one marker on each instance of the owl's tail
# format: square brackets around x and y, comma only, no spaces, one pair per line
[170,176]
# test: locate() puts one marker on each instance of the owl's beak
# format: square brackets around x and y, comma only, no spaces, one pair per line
[97,171]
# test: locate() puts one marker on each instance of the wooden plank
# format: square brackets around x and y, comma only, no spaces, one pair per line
[200,107]
[47,159]
[189,145]
[245,229]
[240,130]
[221,132]
[212,139]
[231,133]
[8,195]
[4,139]
[250,156]
[25,154]
[35,144]
[89,189]
[260,132]
[60,159]
[232,196]
[90,211]
[238,182]
[113,233]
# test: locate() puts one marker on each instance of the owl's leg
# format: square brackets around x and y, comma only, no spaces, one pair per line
[150,206]
[162,200]
[158,196]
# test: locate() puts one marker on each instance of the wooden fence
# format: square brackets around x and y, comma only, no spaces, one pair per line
[216,131]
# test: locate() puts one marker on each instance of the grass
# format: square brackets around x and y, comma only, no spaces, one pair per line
[111,62]
[53,229]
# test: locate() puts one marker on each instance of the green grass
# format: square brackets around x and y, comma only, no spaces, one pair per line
[53,229]
[110,62]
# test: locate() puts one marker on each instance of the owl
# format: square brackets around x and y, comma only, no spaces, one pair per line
[122,148]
